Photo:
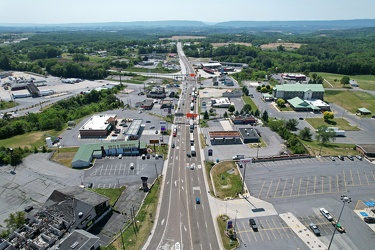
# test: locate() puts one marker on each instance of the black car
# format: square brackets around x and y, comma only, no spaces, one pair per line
[340,157]
[315,229]
[28,208]
[369,220]
[148,121]
[253,224]
[350,157]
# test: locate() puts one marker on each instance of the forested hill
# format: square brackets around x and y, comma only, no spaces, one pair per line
[281,26]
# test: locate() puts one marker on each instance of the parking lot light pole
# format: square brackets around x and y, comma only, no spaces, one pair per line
[345,199]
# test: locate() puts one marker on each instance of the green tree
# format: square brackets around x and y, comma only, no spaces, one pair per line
[231,108]
[324,135]
[225,114]
[328,115]
[345,80]
[265,116]
[305,134]
[206,116]
[280,102]
[256,113]
[15,220]
[246,108]
[292,124]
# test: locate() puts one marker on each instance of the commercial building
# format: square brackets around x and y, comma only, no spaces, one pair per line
[224,137]
[293,77]
[98,126]
[220,103]
[146,104]
[157,92]
[86,153]
[81,240]
[240,120]
[235,93]
[303,91]
[249,135]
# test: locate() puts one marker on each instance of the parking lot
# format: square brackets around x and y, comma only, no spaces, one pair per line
[273,229]
[111,172]
[339,177]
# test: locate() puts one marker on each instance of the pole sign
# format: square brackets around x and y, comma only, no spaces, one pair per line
[247,160]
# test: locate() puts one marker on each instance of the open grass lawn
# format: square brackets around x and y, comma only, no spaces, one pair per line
[331,148]
[248,100]
[227,179]
[351,100]
[64,156]
[111,193]
[7,105]
[285,108]
[145,222]
[227,243]
[31,140]
[364,81]
[341,123]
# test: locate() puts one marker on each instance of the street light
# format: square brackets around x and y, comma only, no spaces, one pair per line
[345,199]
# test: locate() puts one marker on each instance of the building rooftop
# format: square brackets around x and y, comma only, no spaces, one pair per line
[299,87]
[79,239]
[98,122]
[248,133]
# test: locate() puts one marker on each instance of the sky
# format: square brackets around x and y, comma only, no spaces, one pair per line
[93,11]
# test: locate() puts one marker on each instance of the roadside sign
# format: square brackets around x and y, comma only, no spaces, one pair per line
[247,160]
[154,141]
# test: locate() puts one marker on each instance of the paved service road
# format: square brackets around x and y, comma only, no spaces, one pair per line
[181,220]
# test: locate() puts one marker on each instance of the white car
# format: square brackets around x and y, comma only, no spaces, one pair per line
[326,214]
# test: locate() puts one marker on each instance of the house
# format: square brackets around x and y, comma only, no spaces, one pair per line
[303,91]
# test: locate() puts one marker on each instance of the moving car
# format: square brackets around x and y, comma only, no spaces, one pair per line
[172,145]
[369,220]
[315,229]
[326,214]
[338,227]
[253,224]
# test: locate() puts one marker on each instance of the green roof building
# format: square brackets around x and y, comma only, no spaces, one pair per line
[303,91]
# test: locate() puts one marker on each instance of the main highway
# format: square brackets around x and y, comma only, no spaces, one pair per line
[181,222]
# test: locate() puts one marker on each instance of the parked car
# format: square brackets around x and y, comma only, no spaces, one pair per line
[369,220]
[340,157]
[120,156]
[90,185]
[148,121]
[152,126]
[332,158]
[143,156]
[315,229]
[338,226]
[197,200]
[326,214]
[350,157]
[156,132]
[131,166]
[359,157]
[253,224]
[28,208]
[300,118]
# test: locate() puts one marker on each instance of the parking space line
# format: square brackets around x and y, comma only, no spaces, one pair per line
[372,172]
[265,231]
[364,172]
[277,228]
[359,178]
[282,194]
[314,183]
[291,190]
[277,187]
[271,229]
[307,184]
[322,184]
[351,175]
[261,189]
[269,188]
[255,237]
[345,181]
[299,188]
[337,183]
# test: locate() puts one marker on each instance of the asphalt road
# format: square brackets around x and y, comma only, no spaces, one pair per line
[181,221]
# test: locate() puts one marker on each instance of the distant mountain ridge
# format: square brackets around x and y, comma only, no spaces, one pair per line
[285,26]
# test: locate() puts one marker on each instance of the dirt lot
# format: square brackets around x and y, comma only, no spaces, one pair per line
[223,44]
[287,46]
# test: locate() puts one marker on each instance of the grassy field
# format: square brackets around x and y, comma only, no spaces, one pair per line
[227,180]
[227,243]
[248,100]
[7,105]
[208,165]
[364,81]
[111,193]
[32,139]
[351,100]
[341,123]
[145,221]
[333,149]
[64,156]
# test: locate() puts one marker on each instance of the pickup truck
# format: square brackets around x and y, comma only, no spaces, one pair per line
[338,227]
[253,224]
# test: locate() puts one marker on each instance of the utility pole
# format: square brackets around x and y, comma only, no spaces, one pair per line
[345,199]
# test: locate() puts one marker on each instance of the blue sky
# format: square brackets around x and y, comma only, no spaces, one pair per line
[88,11]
